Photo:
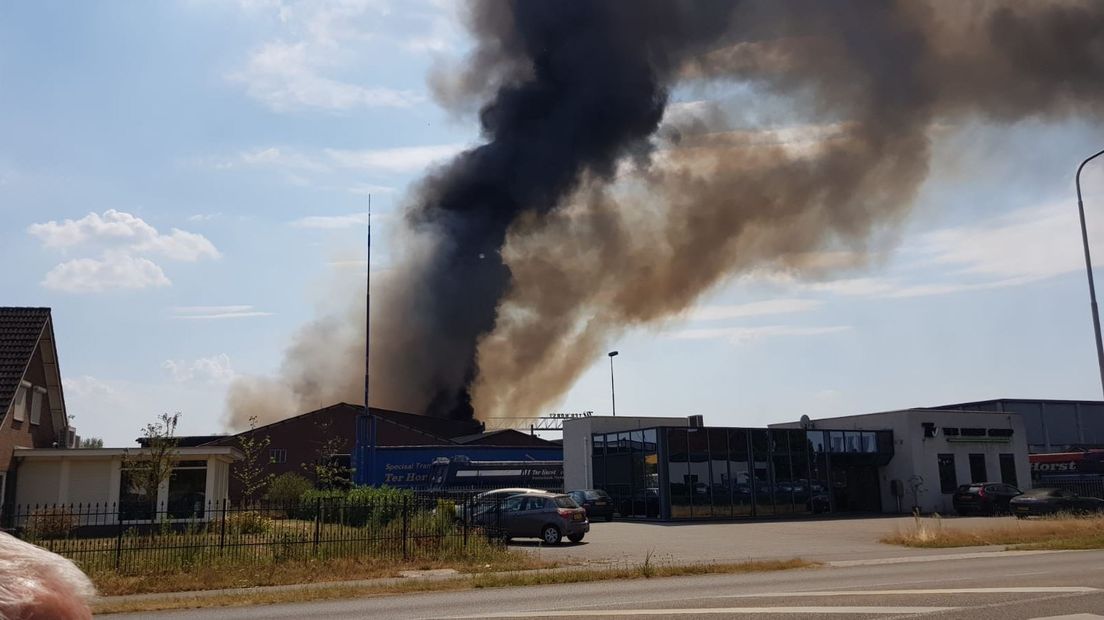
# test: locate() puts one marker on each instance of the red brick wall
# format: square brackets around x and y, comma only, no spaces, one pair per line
[24,434]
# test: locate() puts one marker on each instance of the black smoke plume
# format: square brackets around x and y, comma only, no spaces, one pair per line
[592,207]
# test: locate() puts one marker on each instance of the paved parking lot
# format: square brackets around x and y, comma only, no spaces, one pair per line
[812,539]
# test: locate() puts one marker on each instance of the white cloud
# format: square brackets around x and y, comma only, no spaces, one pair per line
[215,369]
[755,308]
[287,76]
[113,271]
[332,221]
[1027,244]
[121,230]
[123,241]
[86,386]
[743,335]
[206,313]
[399,160]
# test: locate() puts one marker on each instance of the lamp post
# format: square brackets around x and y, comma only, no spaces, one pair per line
[1088,270]
[613,392]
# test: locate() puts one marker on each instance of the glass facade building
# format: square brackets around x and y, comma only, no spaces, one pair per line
[674,473]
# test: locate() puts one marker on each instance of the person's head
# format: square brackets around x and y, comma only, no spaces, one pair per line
[36,584]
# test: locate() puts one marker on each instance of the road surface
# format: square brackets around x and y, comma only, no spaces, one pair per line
[1066,585]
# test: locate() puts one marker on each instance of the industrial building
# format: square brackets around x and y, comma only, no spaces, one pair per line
[677,468]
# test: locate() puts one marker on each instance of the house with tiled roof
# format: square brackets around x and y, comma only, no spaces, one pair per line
[32,405]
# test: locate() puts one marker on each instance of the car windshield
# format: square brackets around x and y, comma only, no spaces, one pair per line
[595,494]
[565,501]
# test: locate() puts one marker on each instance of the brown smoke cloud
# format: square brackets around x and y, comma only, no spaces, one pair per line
[711,194]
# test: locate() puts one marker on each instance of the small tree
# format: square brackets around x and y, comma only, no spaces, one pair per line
[152,466]
[250,471]
[327,470]
[91,442]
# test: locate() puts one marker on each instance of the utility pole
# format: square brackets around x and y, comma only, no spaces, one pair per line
[613,391]
[1088,270]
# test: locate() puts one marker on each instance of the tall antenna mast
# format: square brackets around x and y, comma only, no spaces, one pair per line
[368,305]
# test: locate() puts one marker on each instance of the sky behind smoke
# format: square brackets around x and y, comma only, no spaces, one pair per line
[242,166]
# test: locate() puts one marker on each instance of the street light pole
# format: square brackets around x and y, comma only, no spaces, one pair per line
[613,391]
[1088,270]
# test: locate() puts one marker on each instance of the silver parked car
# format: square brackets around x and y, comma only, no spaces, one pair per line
[548,516]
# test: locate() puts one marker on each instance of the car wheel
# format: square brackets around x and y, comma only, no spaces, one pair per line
[551,535]
[576,538]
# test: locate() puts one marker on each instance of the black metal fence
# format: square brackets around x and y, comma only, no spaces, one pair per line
[146,539]
[1083,487]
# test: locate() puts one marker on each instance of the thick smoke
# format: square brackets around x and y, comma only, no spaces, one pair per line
[586,212]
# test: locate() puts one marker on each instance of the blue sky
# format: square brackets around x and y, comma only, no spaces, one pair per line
[183,181]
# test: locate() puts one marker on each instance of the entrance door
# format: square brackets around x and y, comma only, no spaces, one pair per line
[855,488]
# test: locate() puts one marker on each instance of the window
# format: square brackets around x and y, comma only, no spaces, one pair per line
[1008,469]
[36,405]
[948,481]
[977,468]
[187,490]
[278,455]
[19,412]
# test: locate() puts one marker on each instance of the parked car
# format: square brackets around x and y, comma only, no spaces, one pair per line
[487,500]
[984,498]
[596,503]
[548,516]
[1049,501]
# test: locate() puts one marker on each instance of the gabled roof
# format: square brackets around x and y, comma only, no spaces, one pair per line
[435,429]
[20,331]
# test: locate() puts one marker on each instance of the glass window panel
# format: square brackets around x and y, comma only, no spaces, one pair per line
[718,466]
[801,451]
[783,473]
[762,488]
[134,502]
[816,440]
[701,485]
[637,446]
[678,473]
[187,493]
[651,474]
[836,440]
[869,442]
[598,461]
[853,441]
[739,473]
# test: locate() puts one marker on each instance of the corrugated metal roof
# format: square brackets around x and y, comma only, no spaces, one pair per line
[20,330]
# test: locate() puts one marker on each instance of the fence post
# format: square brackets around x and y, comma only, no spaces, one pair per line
[406,526]
[222,530]
[317,522]
[118,535]
[464,516]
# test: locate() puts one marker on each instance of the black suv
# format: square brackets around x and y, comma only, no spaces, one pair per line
[984,498]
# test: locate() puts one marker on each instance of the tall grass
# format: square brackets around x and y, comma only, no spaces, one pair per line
[1061,531]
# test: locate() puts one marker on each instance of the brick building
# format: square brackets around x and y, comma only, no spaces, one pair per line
[32,406]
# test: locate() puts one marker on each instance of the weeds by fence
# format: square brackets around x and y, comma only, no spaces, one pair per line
[133,539]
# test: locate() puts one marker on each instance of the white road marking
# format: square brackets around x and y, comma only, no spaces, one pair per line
[1072,617]
[1008,590]
[853,610]
[911,559]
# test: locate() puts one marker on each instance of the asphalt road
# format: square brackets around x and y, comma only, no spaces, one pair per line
[812,539]
[1066,585]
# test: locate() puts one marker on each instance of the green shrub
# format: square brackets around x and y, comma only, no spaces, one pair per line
[286,489]
[54,522]
[358,506]
[248,522]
